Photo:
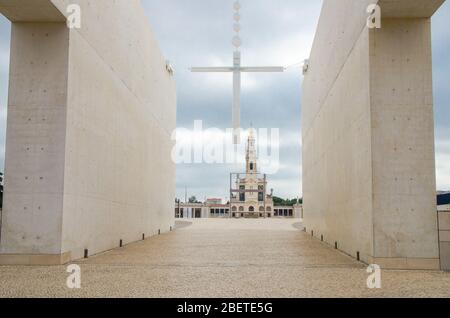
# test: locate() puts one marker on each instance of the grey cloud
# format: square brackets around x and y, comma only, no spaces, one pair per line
[199,32]
[201,35]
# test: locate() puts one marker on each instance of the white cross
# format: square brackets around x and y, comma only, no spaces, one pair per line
[237,69]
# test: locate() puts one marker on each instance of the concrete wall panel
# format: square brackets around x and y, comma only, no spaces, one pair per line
[444,239]
[409,8]
[337,175]
[110,108]
[368,139]
[31,11]
[34,175]
[404,179]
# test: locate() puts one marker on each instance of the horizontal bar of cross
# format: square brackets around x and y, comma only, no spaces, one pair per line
[250,69]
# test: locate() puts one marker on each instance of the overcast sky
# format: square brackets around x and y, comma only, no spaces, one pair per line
[274,32]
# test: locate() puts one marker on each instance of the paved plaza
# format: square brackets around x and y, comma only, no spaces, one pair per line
[223,258]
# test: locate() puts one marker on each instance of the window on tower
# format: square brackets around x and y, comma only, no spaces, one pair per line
[252,166]
[261,193]
[242,194]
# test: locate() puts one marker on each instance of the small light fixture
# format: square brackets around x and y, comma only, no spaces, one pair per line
[305,66]
[169,68]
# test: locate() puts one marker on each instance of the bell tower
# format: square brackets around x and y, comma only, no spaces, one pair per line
[251,156]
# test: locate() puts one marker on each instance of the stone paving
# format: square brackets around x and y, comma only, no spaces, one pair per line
[223,258]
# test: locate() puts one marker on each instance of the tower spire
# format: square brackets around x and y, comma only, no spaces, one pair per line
[251,156]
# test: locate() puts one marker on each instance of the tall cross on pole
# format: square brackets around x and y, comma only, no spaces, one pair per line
[237,69]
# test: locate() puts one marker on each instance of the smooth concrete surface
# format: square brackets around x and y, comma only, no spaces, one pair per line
[91,112]
[368,134]
[223,258]
[444,221]
[35,139]
[444,239]
[31,11]
[409,8]
[402,140]
[37,260]
[445,255]
[444,236]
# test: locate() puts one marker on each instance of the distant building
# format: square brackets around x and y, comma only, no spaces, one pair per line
[213,201]
[295,211]
[210,210]
[201,210]
[189,210]
[443,198]
[250,201]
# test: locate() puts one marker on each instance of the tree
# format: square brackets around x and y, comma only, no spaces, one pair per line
[285,202]
[193,199]
[277,201]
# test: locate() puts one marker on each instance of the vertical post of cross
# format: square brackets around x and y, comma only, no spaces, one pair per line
[236,113]
[237,69]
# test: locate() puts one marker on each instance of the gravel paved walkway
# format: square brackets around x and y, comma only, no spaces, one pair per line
[223,258]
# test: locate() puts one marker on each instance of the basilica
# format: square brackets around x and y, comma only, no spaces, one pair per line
[249,195]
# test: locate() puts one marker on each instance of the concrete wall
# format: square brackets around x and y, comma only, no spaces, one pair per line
[444,236]
[91,112]
[35,145]
[368,134]
[403,154]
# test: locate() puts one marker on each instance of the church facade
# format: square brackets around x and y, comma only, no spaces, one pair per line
[249,197]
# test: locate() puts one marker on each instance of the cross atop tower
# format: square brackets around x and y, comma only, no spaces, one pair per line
[237,69]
